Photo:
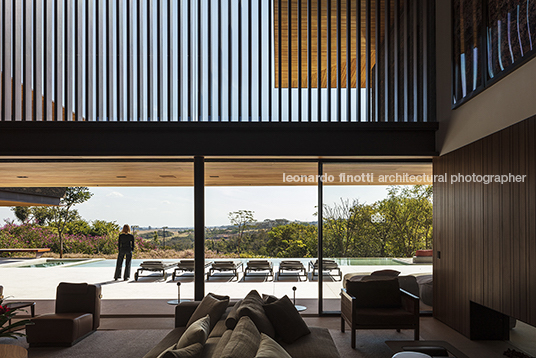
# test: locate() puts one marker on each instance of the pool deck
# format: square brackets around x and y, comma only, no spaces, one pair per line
[40,283]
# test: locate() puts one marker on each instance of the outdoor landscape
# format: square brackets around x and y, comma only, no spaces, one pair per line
[396,226]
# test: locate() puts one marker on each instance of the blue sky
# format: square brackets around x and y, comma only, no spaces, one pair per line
[173,206]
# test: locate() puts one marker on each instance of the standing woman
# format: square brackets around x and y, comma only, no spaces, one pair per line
[125,246]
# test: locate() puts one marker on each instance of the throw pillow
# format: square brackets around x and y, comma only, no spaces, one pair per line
[375,294]
[197,332]
[268,348]
[288,323]
[192,351]
[232,317]
[211,305]
[269,298]
[251,306]
[386,273]
[244,341]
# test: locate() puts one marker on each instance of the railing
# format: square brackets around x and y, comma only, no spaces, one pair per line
[217,60]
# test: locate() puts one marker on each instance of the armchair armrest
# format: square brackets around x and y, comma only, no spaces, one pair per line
[183,312]
[410,302]
[347,304]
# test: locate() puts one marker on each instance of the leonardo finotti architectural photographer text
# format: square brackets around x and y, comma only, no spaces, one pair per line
[404,178]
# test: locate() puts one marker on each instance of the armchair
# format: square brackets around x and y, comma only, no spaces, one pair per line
[378,304]
[76,316]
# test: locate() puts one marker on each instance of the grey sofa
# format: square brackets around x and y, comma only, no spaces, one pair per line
[318,343]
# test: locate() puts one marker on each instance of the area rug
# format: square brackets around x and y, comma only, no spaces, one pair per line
[369,343]
[114,343]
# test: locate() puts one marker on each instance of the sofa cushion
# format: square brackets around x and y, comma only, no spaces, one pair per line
[222,342]
[387,272]
[244,341]
[381,316]
[213,305]
[251,306]
[376,293]
[218,329]
[288,323]
[268,348]
[268,298]
[169,340]
[192,351]
[232,317]
[197,332]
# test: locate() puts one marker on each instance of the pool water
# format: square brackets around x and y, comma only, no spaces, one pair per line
[56,262]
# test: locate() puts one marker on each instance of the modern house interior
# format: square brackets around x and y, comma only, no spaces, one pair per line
[205,93]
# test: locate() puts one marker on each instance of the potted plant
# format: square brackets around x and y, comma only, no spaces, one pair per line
[8,329]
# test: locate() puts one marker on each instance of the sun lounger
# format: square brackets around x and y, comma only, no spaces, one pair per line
[185,266]
[222,266]
[154,266]
[259,265]
[294,266]
[327,265]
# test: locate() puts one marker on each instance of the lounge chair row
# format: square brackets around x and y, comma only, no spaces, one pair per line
[286,268]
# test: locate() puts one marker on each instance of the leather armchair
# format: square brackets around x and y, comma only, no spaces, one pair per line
[77,315]
[378,304]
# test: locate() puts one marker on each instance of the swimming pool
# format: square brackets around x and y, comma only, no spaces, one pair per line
[43,263]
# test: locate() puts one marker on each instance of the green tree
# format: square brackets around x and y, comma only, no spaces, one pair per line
[242,220]
[22,213]
[292,240]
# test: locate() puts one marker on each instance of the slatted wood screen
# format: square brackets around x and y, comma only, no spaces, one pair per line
[486,233]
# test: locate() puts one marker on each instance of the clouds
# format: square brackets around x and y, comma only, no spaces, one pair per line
[114,194]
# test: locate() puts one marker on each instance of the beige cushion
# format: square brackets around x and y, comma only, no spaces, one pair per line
[212,305]
[268,348]
[244,341]
[232,317]
[197,332]
[222,342]
[251,306]
[192,351]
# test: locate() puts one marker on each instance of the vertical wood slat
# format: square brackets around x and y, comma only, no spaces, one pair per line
[239,69]
[415,82]
[209,54]
[220,113]
[289,33]
[69,51]
[48,75]
[367,61]
[17,61]
[179,60]
[339,69]
[1,61]
[300,119]
[269,83]
[280,61]
[38,63]
[349,60]
[309,59]
[99,88]
[249,64]
[358,61]
[27,40]
[140,51]
[130,20]
[377,63]
[7,53]
[318,61]
[171,59]
[259,75]
[230,63]
[328,62]
[396,60]
[387,63]
[58,60]
[122,98]
[159,62]
[91,54]
[150,61]
[110,101]
[425,84]
[79,60]
[406,61]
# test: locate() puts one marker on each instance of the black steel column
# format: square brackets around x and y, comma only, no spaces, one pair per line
[199,228]
[320,239]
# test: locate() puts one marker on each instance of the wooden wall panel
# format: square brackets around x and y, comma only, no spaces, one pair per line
[485,233]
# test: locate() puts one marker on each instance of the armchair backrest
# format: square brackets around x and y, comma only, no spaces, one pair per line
[79,298]
[375,293]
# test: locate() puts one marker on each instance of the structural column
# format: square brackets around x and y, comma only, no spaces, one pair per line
[320,238]
[199,227]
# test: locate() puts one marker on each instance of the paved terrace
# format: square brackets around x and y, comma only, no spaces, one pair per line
[124,297]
